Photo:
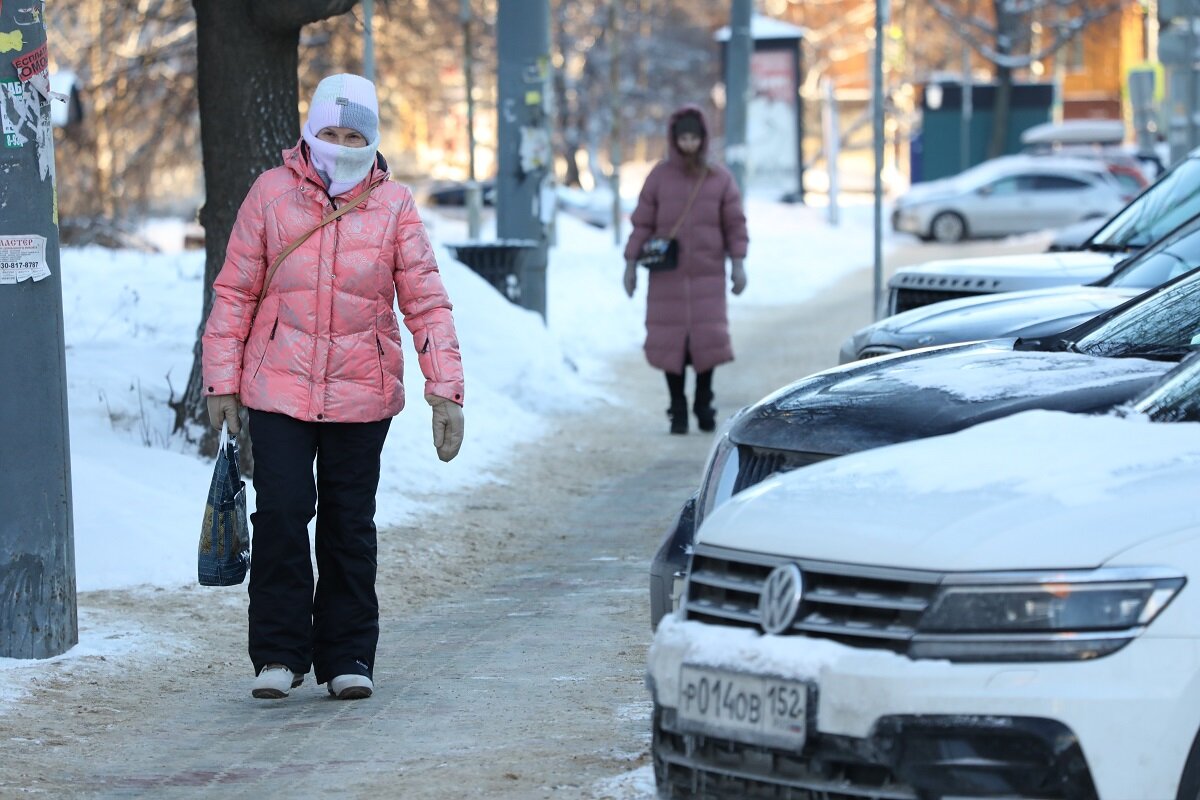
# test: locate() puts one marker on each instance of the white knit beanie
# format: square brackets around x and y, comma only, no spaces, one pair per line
[343,101]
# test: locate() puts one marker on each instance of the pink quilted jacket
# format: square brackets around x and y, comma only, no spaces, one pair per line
[325,344]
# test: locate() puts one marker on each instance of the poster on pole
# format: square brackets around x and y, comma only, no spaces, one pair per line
[23,257]
[771,117]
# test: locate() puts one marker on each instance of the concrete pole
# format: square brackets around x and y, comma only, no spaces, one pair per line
[877,128]
[832,135]
[38,617]
[474,194]
[522,185]
[1192,83]
[737,89]
[369,40]
[614,82]
[967,110]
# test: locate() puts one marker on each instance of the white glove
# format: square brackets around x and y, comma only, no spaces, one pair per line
[447,426]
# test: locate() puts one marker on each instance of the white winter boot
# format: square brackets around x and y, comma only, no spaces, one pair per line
[351,687]
[274,682]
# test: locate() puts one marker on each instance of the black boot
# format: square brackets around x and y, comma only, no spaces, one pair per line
[678,412]
[706,415]
[678,415]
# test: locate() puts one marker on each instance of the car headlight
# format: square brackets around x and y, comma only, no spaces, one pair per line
[1065,616]
[719,477]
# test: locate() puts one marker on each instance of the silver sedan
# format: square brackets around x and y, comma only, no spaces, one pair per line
[1010,195]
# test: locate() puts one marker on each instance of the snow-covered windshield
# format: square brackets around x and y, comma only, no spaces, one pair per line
[1166,324]
[1170,202]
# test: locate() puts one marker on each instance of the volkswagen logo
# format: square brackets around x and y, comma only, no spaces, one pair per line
[780,599]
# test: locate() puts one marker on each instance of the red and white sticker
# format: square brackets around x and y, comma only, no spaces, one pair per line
[32,63]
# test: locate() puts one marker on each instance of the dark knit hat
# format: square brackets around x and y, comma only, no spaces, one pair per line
[687,123]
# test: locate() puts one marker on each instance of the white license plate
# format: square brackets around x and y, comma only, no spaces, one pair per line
[751,708]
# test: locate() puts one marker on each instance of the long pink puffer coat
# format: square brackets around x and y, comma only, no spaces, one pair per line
[685,307]
[325,344]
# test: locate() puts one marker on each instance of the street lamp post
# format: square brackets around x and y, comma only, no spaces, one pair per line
[881,12]
[369,40]
[38,616]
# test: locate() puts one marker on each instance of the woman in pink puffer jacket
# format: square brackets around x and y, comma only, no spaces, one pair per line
[317,360]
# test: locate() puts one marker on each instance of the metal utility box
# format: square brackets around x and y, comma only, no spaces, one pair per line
[937,150]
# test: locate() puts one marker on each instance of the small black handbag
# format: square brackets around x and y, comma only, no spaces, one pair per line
[661,253]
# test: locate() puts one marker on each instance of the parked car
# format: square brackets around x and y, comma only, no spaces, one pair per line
[454,193]
[1100,139]
[1038,312]
[1165,205]
[1009,195]
[1008,611]
[931,391]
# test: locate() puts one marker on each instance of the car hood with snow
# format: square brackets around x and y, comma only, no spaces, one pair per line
[932,391]
[1033,313]
[1036,490]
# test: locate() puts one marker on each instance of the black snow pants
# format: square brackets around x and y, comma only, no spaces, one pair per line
[333,627]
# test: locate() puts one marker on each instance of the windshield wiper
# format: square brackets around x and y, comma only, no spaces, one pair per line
[1110,247]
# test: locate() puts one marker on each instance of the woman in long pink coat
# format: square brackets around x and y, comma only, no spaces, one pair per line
[686,320]
[307,340]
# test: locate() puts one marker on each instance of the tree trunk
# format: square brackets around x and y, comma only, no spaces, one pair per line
[247,61]
[1000,112]
[1009,27]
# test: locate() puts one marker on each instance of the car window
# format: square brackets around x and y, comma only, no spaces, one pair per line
[1172,200]
[1128,182]
[1172,255]
[1058,183]
[1004,186]
[1163,322]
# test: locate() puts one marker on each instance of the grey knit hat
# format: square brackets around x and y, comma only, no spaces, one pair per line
[345,101]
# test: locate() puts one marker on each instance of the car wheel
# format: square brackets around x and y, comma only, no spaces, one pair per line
[948,227]
[1189,782]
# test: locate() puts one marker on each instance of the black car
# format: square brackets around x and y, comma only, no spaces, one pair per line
[1094,367]
[454,193]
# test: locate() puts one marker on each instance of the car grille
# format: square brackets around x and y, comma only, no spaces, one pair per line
[908,299]
[856,605]
[756,464]
[709,768]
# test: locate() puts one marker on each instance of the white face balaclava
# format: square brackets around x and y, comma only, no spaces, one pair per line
[343,101]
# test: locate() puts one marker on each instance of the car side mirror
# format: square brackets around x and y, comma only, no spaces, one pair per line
[984,191]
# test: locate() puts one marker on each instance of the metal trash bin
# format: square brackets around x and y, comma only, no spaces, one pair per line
[506,266]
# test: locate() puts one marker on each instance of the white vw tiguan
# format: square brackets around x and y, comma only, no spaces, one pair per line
[1009,611]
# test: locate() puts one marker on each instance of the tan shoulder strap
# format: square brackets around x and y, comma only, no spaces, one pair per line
[691,199]
[287,251]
